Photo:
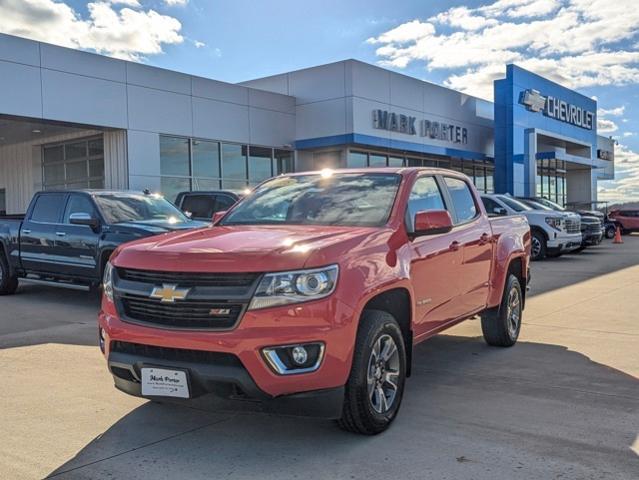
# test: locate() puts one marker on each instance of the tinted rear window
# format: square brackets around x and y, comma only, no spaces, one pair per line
[48,208]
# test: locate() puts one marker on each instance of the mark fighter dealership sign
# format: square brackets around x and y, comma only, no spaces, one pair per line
[385,120]
[558,109]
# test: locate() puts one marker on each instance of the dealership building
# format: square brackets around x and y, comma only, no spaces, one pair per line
[72,119]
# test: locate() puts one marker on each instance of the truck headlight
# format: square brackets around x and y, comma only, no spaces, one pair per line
[554,222]
[282,288]
[107,281]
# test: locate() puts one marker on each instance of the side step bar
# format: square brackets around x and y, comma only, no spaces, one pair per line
[50,283]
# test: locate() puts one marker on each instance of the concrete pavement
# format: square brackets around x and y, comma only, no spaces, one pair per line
[563,403]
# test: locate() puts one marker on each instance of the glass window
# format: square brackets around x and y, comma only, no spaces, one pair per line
[48,208]
[395,162]
[465,208]
[491,206]
[344,199]
[376,160]
[415,162]
[96,147]
[490,180]
[357,160]
[424,196]
[206,159]
[171,186]
[205,184]
[259,164]
[53,154]
[131,207]
[54,174]
[75,150]
[233,166]
[78,204]
[3,201]
[516,205]
[224,202]
[283,162]
[76,171]
[174,156]
[199,206]
[96,167]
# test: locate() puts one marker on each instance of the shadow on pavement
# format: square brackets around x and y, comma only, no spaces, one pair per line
[469,411]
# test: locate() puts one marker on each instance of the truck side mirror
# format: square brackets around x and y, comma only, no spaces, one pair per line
[217,216]
[432,222]
[85,219]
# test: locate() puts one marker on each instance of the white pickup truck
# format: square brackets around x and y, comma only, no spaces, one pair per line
[553,233]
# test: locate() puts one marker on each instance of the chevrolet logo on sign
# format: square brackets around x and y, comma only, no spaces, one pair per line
[169,293]
[533,100]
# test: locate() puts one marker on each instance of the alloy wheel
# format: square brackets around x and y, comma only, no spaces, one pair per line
[513,312]
[383,374]
[535,247]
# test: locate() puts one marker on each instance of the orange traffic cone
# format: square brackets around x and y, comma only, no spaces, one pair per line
[618,236]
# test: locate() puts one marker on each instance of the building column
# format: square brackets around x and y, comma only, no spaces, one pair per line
[530,163]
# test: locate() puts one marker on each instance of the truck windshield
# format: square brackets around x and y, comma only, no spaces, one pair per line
[550,204]
[122,208]
[516,205]
[343,199]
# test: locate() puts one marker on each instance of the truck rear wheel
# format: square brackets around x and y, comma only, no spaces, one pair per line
[8,282]
[501,325]
[376,384]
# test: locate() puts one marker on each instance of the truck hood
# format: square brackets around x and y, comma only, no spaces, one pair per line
[159,227]
[240,248]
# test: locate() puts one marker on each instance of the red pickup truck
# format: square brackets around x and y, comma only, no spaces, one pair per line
[310,293]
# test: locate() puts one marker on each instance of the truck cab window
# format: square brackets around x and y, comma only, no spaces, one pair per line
[465,208]
[200,206]
[48,208]
[224,202]
[491,206]
[425,195]
[78,204]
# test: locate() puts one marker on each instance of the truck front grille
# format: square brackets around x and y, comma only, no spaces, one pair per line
[186,314]
[573,226]
[189,279]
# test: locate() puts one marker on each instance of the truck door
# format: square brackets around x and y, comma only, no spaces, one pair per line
[37,236]
[474,233]
[76,246]
[435,262]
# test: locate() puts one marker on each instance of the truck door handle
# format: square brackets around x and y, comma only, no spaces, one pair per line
[60,234]
[454,246]
[485,238]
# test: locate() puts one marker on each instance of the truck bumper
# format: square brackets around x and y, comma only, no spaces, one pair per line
[227,379]
[563,243]
[592,237]
[233,364]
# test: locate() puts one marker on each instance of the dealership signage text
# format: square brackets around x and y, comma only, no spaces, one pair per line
[397,122]
[558,109]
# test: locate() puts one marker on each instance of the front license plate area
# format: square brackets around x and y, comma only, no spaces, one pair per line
[164,382]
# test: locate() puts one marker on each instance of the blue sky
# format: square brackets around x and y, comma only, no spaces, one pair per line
[589,45]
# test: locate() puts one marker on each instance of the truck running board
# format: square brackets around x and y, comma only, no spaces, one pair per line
[51,283]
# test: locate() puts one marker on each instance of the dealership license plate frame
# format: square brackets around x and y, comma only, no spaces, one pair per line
[182,389]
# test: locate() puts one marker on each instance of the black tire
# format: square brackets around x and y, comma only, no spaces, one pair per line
[8,281]
[538,251]
[359,414]
[610,232]
[497,325]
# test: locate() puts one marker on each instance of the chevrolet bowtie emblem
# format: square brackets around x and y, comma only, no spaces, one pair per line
[169,293]
[533,100]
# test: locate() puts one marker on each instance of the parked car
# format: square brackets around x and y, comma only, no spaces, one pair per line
[203,205]
[66,237]
[549,236]
[628,220]
[311,292]
[592,226]
[555,206]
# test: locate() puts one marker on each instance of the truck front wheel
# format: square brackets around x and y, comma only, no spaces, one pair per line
[538,246]
[376,384]
[8,282]
[501,325]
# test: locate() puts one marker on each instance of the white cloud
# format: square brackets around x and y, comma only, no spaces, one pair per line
[176,3]
[199,44]
[573,42]
[111,27]
[615,112]
[629,134]
[625,187]
[605,125]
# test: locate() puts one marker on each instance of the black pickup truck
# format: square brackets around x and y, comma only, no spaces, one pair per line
[66,237]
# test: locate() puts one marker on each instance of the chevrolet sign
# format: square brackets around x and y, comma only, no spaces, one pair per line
[560,110]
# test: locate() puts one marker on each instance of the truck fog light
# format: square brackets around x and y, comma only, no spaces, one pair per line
[300,355]
[290,359]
